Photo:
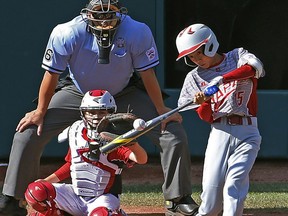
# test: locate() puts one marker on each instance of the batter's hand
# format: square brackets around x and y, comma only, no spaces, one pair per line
[31,118]
[200,98]
[175,117]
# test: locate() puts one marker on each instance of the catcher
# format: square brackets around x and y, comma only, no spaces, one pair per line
[96,177]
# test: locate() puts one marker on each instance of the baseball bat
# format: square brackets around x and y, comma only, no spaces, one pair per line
[149,125]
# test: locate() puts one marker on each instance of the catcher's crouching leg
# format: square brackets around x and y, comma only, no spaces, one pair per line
[40,199]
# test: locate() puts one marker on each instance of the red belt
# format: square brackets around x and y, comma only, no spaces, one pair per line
[234,120]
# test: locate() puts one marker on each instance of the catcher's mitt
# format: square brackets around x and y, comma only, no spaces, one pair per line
[111,126]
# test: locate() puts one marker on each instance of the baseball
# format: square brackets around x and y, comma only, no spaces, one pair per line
[139,124]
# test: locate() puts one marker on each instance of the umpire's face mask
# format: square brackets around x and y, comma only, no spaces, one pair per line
[103,19]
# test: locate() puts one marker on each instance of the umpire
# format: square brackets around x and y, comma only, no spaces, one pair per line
[101,48]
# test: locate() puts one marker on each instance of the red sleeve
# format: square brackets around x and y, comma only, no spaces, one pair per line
[241,73]
[64,171]
[122,154]
[205,111]
[125,152]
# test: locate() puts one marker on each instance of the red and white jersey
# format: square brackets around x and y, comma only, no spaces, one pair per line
[90,178]
[235,97]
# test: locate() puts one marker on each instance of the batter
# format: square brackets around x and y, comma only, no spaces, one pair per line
[234,139]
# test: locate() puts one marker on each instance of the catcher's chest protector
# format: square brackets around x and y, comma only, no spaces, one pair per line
[89,178]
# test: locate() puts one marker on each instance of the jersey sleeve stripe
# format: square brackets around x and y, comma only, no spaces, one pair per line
[153,64]
[54,70]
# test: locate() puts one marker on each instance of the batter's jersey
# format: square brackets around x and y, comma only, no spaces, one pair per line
[71,46]
[235,97]
[90,178]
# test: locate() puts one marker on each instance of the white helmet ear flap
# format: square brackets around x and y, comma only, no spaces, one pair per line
[211,46]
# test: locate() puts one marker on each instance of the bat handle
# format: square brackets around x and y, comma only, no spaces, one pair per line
[106,149]
[209,91]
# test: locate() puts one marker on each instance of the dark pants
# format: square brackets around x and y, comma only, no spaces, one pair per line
[27,148]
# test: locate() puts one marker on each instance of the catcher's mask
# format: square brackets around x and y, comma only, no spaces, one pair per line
[94,106]
[103,18]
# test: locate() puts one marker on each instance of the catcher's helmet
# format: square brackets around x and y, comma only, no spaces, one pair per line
[193,37]
[98,100]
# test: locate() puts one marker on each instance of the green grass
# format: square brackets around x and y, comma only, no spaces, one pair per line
[261,195]
[142,195]
[268,195]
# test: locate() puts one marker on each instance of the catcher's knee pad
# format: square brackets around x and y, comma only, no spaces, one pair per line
[40,196]
[100,211]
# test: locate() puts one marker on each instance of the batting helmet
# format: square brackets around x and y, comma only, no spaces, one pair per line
[193,37]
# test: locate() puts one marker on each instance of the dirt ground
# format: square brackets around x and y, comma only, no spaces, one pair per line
[263,171]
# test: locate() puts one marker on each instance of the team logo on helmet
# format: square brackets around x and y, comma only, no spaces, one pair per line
[190,31]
